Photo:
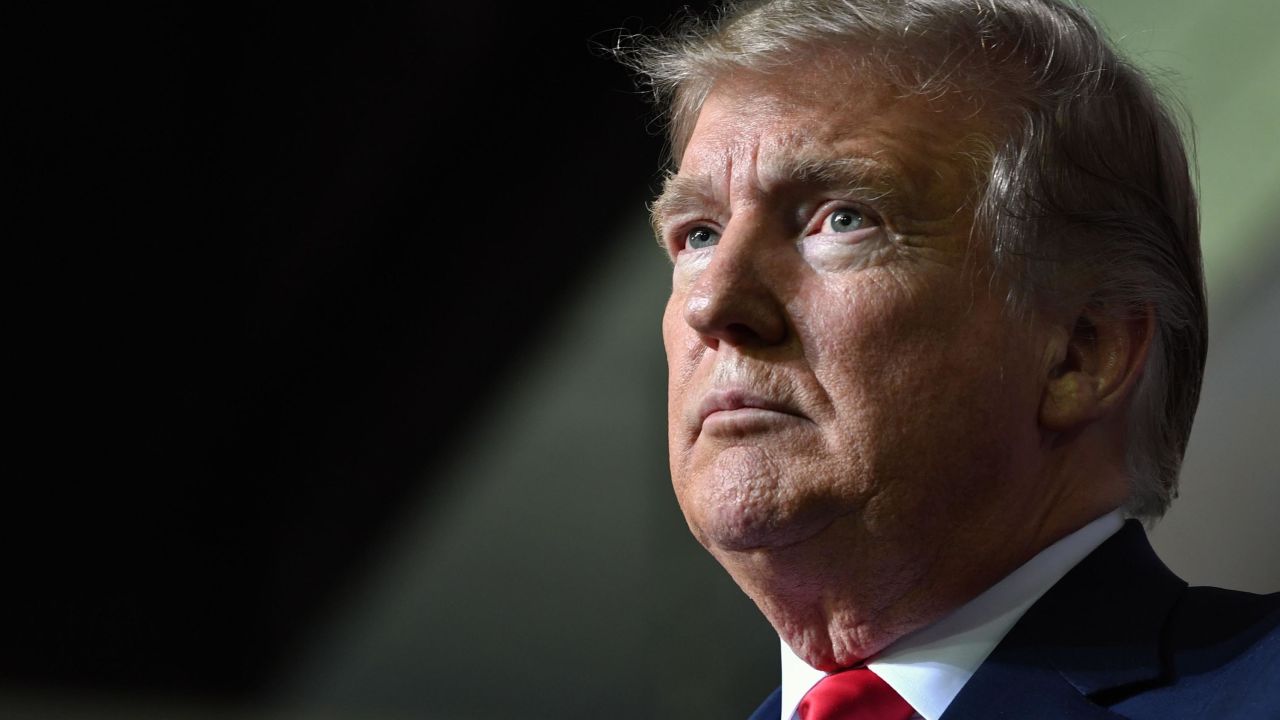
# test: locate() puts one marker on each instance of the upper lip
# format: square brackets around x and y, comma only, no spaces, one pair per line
[737,399]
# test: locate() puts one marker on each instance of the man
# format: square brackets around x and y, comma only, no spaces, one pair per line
[937,325]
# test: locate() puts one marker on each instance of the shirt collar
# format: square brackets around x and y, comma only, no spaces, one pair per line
[930,666]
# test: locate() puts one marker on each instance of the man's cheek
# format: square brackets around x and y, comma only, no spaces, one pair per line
[678,338]
[687,269]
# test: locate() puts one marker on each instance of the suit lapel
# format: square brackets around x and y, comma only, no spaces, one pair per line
[1008,689]
[1089,641]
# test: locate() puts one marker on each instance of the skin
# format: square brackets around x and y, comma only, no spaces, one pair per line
[858,431]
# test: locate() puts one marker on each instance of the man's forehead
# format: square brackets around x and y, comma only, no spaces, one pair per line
[733,150]
[738,120]
[868,137]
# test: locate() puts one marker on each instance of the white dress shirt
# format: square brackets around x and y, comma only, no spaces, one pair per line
[928,667]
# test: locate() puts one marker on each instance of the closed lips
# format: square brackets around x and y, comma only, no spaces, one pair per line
[734,399]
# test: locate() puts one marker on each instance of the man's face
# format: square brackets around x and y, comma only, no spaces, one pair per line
[841,372]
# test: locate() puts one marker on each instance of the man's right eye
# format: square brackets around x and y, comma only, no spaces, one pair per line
[701,237]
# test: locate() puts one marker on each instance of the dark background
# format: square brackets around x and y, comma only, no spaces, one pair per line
[268,260]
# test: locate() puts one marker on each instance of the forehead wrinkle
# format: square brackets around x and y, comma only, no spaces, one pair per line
[705,191]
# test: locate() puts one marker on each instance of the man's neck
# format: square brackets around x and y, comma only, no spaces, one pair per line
[928,667]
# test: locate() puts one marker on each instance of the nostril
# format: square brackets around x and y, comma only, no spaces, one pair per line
[742,334]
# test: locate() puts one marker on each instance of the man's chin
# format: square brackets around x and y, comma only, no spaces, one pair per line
[740,530]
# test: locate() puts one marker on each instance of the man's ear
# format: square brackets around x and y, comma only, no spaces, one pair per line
[1095,363]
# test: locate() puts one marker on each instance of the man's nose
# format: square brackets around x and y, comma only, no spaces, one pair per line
[735,299]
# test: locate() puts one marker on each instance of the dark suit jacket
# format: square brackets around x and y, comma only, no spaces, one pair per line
[1120,636]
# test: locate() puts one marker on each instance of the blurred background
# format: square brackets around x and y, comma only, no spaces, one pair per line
[337,388]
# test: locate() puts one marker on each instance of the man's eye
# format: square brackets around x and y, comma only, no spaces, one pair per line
[843,220]
[701,237]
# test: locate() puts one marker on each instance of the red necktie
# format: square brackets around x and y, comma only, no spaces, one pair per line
[857,694]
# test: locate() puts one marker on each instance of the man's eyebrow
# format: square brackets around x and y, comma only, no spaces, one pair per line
[863,176]
[680,194]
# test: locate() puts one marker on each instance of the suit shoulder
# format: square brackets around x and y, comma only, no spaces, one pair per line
[1210,622]
[1224,651]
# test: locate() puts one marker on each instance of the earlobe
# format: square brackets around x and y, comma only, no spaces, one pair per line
[1097,362]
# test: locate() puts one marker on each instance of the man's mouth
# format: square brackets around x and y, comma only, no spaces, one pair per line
[740,409]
